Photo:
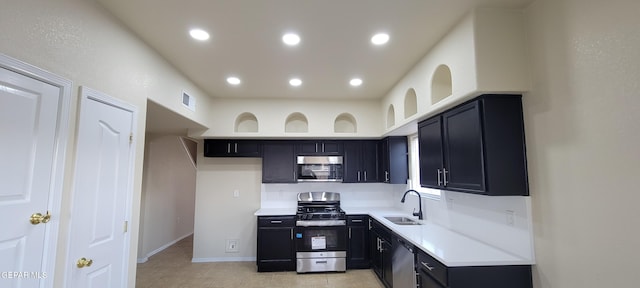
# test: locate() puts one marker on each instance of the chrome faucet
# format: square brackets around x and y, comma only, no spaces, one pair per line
[419,213]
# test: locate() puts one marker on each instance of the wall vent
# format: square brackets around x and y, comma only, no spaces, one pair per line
[188,101]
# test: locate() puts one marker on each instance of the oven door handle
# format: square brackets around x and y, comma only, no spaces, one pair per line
[321,223]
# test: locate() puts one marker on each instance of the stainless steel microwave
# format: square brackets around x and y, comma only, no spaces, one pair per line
[319,168]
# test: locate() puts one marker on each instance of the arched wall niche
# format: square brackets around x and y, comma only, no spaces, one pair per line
[345,123]
[441,84]
[296,123]
[391,116]
[410,103]
[246,123]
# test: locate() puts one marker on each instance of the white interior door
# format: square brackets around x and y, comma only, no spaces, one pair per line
[98,253]
[29,111]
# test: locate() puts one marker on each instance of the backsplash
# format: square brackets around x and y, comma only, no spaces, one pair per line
[501,221]
[351,194]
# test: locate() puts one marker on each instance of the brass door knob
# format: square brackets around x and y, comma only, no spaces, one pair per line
[84,262]
[37,218]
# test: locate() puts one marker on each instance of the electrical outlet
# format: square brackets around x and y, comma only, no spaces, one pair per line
[232,246]
[511,215]
[450,203]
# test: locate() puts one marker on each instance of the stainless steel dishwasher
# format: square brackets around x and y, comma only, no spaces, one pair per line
[403,264]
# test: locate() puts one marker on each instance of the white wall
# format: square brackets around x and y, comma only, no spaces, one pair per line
[77,40]
[581,121]
[272,114]
[501,52]
[485,52]
[455,50]
[219,215]
[168,195]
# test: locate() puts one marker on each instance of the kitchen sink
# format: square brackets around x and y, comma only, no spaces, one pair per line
[401,220]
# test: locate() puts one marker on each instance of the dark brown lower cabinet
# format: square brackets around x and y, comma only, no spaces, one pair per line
[433,274]
[276,251]
[381,252]
[358,251]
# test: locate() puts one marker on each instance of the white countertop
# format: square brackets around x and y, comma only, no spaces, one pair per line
[449,247]
[276,212]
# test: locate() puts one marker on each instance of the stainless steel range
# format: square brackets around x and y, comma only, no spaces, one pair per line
[321,233]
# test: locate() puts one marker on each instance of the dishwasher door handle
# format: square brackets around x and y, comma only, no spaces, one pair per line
[426,265]
[403,243]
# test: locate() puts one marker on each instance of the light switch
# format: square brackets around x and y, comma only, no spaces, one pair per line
[236,193]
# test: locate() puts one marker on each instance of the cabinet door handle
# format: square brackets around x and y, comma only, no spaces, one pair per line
[235,147]
[439,175]
[444,176]
[426,265]
[228,147]
[365,175]
[369,224]
[316,147]
[386,176]
[323,147]
[349,232]
[291,233]
[276,222]
[356,220]
[358,176]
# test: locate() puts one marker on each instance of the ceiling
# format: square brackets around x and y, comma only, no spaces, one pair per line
[335,41]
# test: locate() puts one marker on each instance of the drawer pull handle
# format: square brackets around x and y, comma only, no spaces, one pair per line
[276,222]
[444,176]
[426,265]
[356,221]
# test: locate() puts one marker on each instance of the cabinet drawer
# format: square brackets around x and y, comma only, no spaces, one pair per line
[357,220]
[276,221]
[432,267]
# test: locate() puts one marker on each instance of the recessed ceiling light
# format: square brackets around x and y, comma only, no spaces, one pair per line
[295,82]
[380,39]
[199,34]
[291,39]
[233,80]
[355,82]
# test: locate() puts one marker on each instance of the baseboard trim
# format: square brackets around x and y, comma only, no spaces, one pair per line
[165,246]
[223,259]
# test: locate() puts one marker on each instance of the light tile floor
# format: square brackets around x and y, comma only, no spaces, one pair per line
[173,268]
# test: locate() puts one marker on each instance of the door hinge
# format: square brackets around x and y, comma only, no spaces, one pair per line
[130,138]
[126,226]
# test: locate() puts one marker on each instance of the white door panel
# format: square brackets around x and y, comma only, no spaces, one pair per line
[101,193]
[28,127]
